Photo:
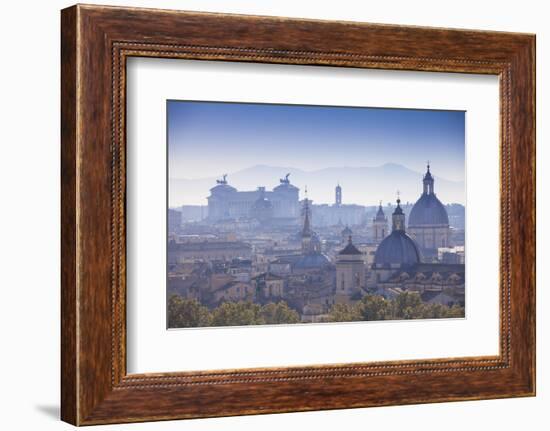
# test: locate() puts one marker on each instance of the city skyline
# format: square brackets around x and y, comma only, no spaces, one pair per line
[321,184]
[248,134]
[258,253]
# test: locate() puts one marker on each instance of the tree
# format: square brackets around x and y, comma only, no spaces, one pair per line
[344,313]
[237,314]
[408,305]
[455,311]
[375,307]
[187,313]
[275,313]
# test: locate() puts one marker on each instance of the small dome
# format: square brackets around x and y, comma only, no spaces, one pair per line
[397,248]
[312,261]
[428,210]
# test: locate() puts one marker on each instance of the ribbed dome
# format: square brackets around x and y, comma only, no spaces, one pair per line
[397,248]
[428,210]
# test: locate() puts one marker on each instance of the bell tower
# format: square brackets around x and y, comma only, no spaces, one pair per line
[398,216]
[380,225]
[338,195]
[350,273]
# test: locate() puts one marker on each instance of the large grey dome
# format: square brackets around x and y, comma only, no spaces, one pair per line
[428,210]
[397,248]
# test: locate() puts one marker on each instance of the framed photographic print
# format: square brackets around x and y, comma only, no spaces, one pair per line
[268,215]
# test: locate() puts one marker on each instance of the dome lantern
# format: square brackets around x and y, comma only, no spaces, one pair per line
[428,181]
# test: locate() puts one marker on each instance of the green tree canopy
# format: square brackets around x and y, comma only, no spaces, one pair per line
[375,307]
[275,313]
[406,305]
[344,313]
[184,313]
[237,314]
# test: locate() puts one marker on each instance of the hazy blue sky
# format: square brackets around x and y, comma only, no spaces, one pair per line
[207,139]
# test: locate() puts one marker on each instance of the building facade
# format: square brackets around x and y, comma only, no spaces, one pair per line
[269,287]
[174,221]
[208,251]
[279,205]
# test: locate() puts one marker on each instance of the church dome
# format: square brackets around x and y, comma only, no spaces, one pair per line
[397,248]
[428,210]
[312,261]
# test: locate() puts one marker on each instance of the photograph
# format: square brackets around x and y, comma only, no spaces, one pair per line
[295,214]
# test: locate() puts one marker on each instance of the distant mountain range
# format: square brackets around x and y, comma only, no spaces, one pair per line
[363,185]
